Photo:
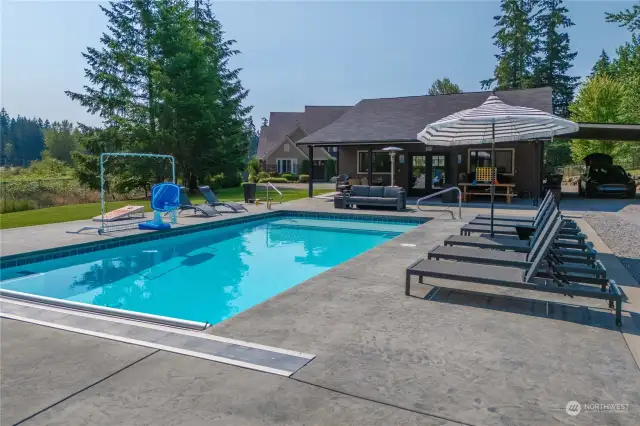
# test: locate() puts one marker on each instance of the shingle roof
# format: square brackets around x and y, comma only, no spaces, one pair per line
[282,124]
[400,119]
[317,117]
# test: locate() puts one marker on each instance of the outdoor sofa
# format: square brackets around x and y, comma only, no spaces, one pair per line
[372,196]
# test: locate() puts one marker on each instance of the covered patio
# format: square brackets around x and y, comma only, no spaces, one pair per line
[422,170]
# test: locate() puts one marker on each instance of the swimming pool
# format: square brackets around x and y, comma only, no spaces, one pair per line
[204,276]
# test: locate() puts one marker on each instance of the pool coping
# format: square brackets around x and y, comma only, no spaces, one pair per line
[25,258]
[253,356]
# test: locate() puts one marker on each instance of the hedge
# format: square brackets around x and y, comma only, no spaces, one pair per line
[273,180]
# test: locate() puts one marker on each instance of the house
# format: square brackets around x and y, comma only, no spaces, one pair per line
[277,147]
[361,132]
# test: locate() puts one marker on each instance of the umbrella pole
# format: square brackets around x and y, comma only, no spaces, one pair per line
[493,165]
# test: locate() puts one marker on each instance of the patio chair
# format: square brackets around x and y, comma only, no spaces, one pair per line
[212,200]
[185,204]
[507,276]
[342,183]
[522,260]
[547,198]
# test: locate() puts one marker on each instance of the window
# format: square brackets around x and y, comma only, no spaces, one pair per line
[286,147]
[381,162]
[287,165]
[482,158]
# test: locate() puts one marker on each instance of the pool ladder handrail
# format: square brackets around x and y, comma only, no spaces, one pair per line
[269,184]
[442,192]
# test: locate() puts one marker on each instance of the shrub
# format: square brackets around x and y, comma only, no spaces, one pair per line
[273,180]
[290,177]
[274,174]
[262,175]
[304,167]
[331,169]
[222,180]
[252,178]
[303,178]
[253,166]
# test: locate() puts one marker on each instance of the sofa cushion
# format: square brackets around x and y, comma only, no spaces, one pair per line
[376,191]
[392,192]
[360,191]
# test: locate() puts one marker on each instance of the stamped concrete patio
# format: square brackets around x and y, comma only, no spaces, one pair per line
[453,353]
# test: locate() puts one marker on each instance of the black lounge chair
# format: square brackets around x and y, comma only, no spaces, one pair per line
[185,204]
[547,198]
[576,247]
[212,200]
[540,216]
[506,276]
[594,268]
[568,231]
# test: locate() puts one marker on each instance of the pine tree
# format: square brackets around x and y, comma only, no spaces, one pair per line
[120,86]
[6,147]
[231,114]
[443,87]
[629,18]
[516,41]
[121,90]
[255,138]
[602,65]
[554,54]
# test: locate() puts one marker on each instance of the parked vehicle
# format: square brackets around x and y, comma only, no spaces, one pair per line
[601,177]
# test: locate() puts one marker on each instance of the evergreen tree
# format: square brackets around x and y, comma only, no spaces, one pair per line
[60,141]
[516,41]
[602,66]
[554,54]
[443,87]
[6,147]
[265,122]
[629,18]
[231,115]
[255,138]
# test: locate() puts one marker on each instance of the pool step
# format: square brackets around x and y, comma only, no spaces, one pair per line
[253,356]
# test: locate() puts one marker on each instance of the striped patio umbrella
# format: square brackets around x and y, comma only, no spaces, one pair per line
[494,122]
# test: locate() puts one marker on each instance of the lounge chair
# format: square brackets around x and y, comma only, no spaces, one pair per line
[507,276]
[185,204]
[547,204]
[547,198]
[569,231]
[576,247]
[519,259]
[212,200]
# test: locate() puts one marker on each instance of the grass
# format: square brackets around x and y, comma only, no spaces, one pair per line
[634,172]
[87,211]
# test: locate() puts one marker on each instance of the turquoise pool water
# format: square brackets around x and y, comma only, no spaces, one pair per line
[207,275]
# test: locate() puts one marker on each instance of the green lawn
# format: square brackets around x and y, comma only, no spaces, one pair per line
[87,211]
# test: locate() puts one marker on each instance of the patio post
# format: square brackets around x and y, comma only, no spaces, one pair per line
[370,167]
[310,171]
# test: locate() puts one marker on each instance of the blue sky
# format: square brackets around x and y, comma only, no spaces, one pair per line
[293,53]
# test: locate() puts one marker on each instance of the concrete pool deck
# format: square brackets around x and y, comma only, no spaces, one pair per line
[453,353]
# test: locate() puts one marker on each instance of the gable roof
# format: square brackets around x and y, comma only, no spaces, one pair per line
[262,142]
[400,119]
[282,124]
